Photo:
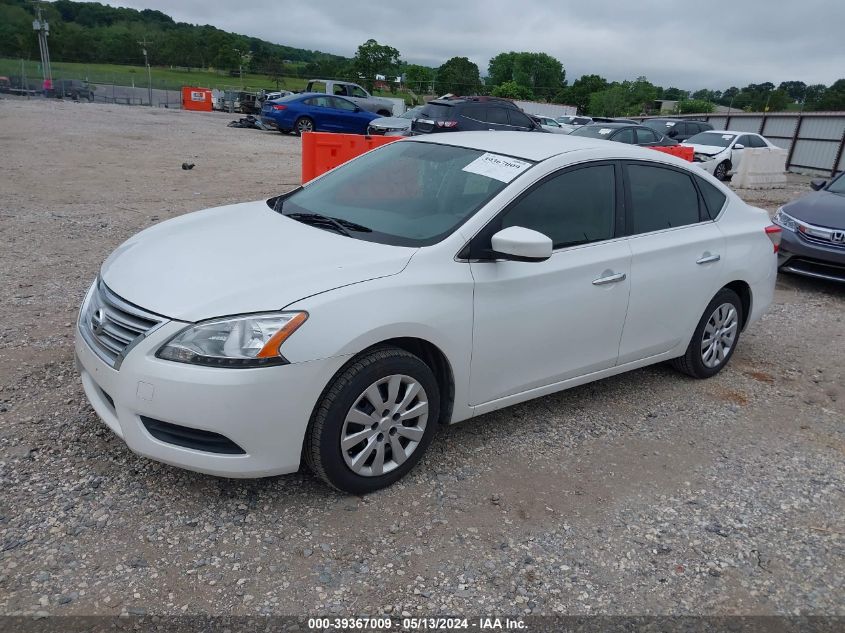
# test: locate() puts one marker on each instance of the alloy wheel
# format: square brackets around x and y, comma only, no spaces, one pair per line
[719,335]
[384,426]
[304,125]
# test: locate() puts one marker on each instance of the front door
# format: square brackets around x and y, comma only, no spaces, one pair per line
[538,323]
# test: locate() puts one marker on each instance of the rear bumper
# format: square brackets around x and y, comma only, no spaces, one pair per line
[269,122]
[797,255]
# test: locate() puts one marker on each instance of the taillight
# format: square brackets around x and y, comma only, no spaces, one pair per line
[277,106]
[448,124]
[773,232]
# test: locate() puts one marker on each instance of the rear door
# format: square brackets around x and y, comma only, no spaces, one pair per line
[676,259]
[321,113]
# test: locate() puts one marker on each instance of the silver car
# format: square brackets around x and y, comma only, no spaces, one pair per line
[393,125]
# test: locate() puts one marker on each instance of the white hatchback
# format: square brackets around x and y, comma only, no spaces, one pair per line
[428,281]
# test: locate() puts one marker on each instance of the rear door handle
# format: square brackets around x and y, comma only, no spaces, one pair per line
[609,279]
[707,259]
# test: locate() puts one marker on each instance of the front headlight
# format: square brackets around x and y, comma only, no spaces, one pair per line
[785,221]
[245,341]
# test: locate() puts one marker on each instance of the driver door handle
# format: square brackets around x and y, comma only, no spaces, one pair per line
[609,279]
[707,258]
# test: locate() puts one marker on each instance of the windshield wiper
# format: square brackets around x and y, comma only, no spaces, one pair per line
[318,219]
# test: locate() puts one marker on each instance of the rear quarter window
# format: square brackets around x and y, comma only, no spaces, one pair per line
[713,198]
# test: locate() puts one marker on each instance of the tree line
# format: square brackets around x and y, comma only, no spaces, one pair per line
[95,33]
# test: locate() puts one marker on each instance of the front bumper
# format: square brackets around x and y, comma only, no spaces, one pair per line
[263,411]
[708,165]
[800,256]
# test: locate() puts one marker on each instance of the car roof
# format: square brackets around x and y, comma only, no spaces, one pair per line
[611,124]
[531,145]
[734,132]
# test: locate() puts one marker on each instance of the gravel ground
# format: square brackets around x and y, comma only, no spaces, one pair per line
[648,493]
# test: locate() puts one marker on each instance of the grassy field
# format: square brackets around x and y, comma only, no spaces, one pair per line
[162,78]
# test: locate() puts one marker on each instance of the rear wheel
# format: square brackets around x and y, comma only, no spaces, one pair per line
[373,422]
[721,171]
[715,338]
[303,124]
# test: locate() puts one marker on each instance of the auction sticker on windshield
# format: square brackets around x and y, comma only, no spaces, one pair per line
[503,168]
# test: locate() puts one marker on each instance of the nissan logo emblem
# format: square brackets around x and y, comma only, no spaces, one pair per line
[98,321]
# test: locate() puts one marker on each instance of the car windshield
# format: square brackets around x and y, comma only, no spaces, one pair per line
[406,193]
[411,114]
[838,185]
[714,139]
[594,131]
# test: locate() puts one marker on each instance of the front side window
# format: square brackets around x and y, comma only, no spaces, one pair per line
[756,141]
[406,193]
[497,116]
[519,120]
[645,136]
[359,92]
[625,136]
[661,198]
[574,207]
[343,104]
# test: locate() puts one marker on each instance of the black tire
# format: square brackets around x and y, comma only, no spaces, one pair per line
[721,171]
[304,124]
[692,362]
[322,448]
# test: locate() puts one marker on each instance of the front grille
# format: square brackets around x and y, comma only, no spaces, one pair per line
[112,326]
[185,436]
[813,239]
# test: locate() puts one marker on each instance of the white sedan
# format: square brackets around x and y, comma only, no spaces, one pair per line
[719,152]
[426,282]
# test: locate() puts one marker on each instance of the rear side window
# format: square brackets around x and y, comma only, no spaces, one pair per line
[475,112]
[437,112]
[645,135]
[661,198]
[713,198]
[575,207]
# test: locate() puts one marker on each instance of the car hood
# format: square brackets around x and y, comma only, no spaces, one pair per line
[710,150]
[237,259]
[392,122]
[819,207]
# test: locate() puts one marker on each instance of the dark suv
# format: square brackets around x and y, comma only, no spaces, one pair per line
[677,129]
[464,114]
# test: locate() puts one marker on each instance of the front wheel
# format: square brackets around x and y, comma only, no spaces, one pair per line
[721,171]
[303,124]
[373,422]
[715,338]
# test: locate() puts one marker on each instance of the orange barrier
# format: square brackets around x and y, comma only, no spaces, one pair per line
[322,151]
[677,150]
[197,99]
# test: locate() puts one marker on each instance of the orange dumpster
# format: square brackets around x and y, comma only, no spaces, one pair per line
[322,151]
[197,99]
[677,150]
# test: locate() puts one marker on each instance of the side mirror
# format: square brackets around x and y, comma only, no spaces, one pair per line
[739,146]
[817,184]
[522,245]
[357,109]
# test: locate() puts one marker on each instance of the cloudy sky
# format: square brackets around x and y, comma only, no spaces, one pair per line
[685,44]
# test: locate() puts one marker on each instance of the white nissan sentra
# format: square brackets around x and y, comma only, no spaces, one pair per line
[423,283]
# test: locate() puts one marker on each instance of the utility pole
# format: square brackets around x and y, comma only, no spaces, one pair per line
[40,26]
[143,46]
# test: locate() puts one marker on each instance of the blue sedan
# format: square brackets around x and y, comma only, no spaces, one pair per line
[315,112]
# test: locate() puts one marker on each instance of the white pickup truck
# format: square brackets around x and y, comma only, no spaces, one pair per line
[353,92]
